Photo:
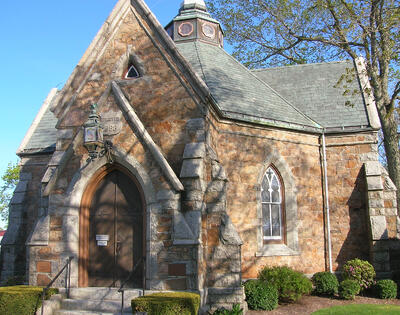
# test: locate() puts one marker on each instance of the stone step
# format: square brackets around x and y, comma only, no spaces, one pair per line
[106,306]
[103,293]
[70,312]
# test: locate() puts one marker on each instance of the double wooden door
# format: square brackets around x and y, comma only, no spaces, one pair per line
[115,233]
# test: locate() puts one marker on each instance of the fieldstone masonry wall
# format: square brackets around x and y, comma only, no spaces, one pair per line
[13,243]
[204,210]
[24,208]
[346,155]
[222,244]
[384,220]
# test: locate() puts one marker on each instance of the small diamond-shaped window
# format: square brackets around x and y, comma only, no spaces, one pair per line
[132,73]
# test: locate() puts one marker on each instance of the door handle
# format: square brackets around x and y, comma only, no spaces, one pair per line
[119,243]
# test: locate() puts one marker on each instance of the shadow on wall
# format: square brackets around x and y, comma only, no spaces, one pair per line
[357,242]
[394,259]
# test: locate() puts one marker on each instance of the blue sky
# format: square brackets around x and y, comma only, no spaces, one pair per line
[41,43]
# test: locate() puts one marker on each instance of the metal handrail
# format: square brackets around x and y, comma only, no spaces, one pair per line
[121,288]
[67,282]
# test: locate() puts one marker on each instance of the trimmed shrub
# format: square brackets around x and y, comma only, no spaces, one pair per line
[386,289]
[22,300]
[291,285]
[325,283]
[348,289]
[361,271]
[168,303]
[260,295]
[236,310]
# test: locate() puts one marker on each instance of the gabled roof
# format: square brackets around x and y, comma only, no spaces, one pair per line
[238,93]
[294,97]
[311,88]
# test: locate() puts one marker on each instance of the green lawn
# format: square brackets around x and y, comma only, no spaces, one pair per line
[359,309]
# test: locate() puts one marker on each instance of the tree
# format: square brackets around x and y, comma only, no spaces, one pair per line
[10,180]
[279,32]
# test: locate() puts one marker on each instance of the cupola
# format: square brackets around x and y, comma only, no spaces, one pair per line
[195,23]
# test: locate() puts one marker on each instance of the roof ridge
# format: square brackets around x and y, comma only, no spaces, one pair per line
[273,90]
[89,57]
[301,65]
[199,59]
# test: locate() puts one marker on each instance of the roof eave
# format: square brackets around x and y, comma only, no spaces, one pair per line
[37,151]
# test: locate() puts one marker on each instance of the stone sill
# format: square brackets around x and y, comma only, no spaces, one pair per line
[277,250]
[186,242]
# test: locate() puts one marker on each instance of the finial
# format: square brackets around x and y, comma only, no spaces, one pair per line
[193,4]
[93,108]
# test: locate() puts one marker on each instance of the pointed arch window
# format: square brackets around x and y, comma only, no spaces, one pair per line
[273,218]
[131,73]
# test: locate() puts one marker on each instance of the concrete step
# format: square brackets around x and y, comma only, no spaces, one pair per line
[106,306]
[70,312]
[103,293]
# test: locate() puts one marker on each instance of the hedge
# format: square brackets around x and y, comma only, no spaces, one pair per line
[291,284]
[260,295]
[386,289]
[168,303]
[325,283]
[22,300]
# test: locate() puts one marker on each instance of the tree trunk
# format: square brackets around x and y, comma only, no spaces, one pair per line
[391,142]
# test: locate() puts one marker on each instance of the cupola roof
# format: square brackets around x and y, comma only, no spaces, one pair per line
[193,9]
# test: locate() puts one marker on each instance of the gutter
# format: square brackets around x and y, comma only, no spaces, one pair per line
[326,198]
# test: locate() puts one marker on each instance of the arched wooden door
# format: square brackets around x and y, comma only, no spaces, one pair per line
[114,232]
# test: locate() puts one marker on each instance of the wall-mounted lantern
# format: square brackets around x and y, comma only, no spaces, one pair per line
[93,137]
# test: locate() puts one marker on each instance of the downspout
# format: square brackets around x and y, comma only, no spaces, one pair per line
[326,192]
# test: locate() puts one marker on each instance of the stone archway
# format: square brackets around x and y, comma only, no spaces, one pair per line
[71,206]
[111,229]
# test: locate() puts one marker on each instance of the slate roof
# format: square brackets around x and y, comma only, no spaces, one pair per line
[45,135]
[310,88]
[42,135]
[296,97]
[239,94]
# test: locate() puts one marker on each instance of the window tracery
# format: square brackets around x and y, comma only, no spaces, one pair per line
[271,202]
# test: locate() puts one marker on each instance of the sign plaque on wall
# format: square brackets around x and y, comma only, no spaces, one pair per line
[102,240]
[111,122]
[102,237]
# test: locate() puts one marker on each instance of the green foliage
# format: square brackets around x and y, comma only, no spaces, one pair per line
[361,271]
[282,32]
[236,310]
[325,283]
[168,303]
[348,289]
[357,309]
[386,289]
[10,179]
[22,300]
[291,285]
[260,295]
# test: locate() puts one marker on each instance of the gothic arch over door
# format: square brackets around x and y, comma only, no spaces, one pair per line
[112,223]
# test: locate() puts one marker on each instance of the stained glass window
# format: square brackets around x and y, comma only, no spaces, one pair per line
[271,200]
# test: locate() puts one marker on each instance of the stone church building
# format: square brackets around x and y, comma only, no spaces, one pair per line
[195,172]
